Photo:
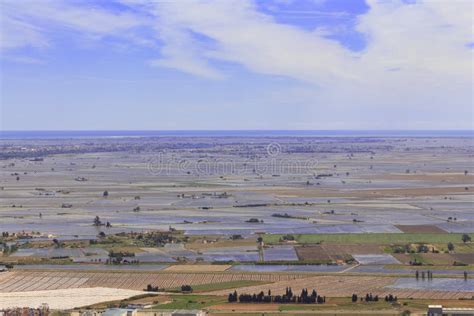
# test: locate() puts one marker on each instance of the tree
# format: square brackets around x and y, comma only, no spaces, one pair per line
[465,238]
[97,221]
[354,298]
[450,246]
[56,243]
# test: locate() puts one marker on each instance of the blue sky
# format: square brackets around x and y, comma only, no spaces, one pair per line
[283,64]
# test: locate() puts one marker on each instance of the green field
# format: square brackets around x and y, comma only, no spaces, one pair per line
[378,238]
[222,286]
[192,301]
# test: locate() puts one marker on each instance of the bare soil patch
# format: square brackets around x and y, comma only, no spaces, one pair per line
[313,252]
[430,229]
[464,257]
[335,251]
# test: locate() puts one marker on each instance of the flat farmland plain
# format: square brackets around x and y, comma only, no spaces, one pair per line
[328,285]
[64,298]
[184,204]
[35,280]
[353,185]
[345,286]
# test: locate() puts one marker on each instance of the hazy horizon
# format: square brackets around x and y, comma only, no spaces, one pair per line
[56,134]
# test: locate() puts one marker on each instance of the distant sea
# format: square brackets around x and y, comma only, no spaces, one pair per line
[233,133]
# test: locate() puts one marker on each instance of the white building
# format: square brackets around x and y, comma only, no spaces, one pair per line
[439,310]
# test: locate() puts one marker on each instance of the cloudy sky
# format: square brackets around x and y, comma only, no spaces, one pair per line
[281,64]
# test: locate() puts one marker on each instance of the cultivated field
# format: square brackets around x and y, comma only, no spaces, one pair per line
[64,299]
[345,286]
[414,229]
[340,214]
[34,280]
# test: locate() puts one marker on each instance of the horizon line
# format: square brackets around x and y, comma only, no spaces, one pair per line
[235,130]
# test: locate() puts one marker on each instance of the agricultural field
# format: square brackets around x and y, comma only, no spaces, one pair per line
[22,281]
[221,283]
[342,214]
[414,229]
[372,238]
[345,286]
[65,298]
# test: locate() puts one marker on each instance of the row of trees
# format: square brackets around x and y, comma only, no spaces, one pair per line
[184,288]
[428,274]
[151,288]
[373,298]
[304,298]
[120,260]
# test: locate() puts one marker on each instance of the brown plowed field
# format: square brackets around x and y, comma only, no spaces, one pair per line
[335,251]
[21,281]
[431,229]
[467,258]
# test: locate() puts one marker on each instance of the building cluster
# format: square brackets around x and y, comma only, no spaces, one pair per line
[138,310]
[26,311]
[130,310]
[439,310]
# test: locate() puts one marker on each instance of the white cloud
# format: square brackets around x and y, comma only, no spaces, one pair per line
[245,36]
[429,36]
[181,51]
[28,23]
[16,33]
[416,62]
[416,55]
